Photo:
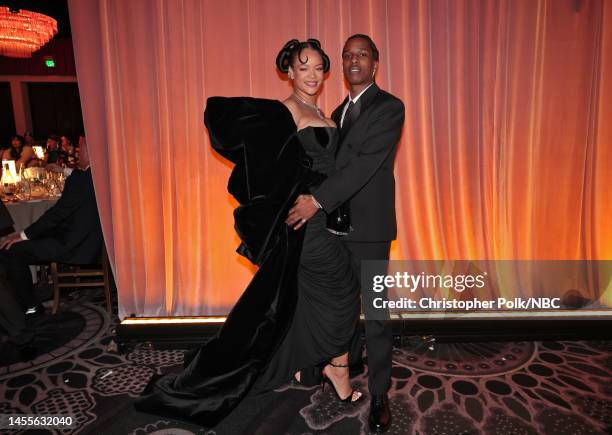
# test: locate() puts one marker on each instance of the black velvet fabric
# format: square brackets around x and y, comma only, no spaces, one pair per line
[271,169]
[327,309]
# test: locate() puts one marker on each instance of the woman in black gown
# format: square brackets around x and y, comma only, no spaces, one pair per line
[302,306]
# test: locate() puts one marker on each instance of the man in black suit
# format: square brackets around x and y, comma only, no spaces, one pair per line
[69,232]
[370,122]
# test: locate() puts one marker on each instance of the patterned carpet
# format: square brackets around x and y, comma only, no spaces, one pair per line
[551,388]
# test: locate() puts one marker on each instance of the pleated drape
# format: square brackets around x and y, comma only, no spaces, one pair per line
[506,151]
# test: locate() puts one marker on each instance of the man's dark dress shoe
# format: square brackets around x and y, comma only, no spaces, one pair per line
[380,414]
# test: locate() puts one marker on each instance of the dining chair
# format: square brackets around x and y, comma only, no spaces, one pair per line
[65,275]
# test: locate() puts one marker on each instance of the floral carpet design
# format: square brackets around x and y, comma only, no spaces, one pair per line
[552,388]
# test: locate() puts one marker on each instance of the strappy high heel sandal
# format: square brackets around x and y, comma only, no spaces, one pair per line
[354,395]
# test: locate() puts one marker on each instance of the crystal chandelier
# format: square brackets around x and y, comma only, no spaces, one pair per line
[23,32]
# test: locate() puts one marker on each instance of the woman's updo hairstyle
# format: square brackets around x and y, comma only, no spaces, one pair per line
[292,50]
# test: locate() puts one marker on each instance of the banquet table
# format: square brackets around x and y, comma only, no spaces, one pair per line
[24,213]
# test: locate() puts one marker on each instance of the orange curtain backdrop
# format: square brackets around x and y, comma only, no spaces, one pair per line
[506,152]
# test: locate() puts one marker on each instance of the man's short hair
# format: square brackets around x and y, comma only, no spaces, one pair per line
[368,40]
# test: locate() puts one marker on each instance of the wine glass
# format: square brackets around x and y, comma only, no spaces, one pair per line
[24,192]
[61,180]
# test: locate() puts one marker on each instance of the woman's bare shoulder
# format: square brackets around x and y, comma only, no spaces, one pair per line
[291,105]
[294,109]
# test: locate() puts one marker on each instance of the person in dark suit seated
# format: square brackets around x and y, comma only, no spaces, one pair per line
[52,151]
[68,232]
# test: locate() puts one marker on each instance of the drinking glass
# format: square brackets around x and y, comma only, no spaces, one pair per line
[24,191]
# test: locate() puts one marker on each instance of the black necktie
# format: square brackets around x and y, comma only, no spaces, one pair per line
[352,113]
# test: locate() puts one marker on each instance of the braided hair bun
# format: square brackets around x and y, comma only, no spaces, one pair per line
[292,50]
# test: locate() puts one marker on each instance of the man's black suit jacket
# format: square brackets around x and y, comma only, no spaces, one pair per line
[69,231]
[364,167]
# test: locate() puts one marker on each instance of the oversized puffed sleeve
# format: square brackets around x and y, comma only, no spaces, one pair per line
[258,136]
[251,133]
[233,122]
[222,118]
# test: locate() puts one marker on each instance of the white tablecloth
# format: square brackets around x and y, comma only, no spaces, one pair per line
[24,213]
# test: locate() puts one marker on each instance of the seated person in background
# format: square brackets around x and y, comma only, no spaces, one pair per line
[77,149]
[68,232]
[52,152]
[29,139]
[67,170]
[66,144]
[67,151]
[19,151]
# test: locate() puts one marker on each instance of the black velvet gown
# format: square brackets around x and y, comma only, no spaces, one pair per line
[328,293]
[302,306]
